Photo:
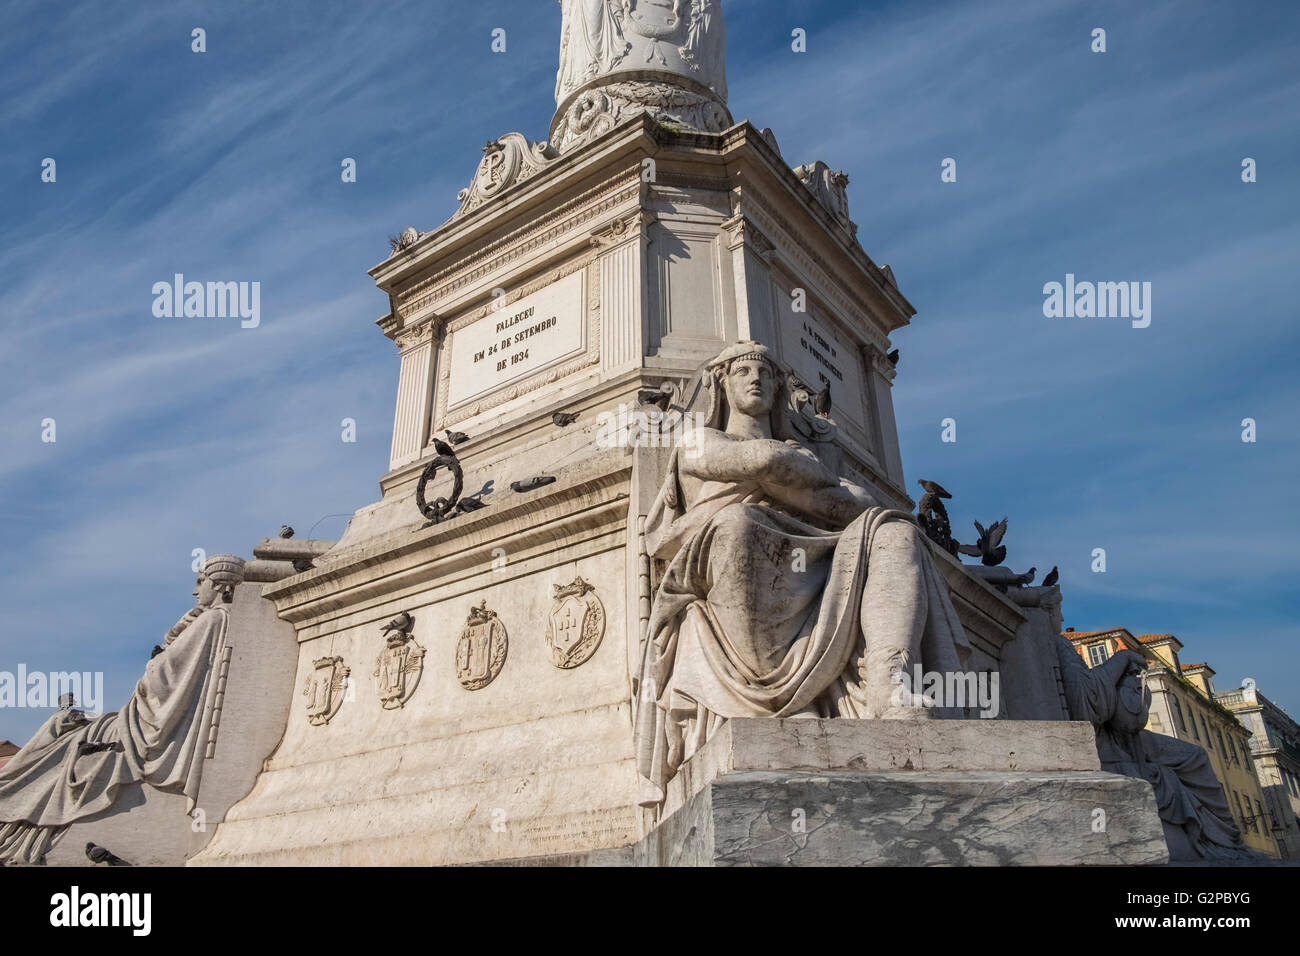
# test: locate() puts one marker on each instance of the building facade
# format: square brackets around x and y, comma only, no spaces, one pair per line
[1275,748]
[1183,705]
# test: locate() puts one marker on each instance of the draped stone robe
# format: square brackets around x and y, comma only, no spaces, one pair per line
[736,631]
[159,739]
[1189,797]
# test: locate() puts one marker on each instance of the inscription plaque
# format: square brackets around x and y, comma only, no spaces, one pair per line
[518,339]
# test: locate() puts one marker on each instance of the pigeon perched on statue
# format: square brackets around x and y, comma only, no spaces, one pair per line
[403,623]
[101,856]
[660,395]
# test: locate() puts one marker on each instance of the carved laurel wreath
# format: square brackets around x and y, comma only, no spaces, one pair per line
[441,507]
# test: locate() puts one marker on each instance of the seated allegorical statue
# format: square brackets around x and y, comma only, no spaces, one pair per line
[75,767]
[1189,797]
[788,591]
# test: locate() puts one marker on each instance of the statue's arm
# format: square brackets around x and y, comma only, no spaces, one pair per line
[834,506]
[711,455]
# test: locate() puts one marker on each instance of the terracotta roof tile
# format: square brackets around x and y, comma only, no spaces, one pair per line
[1155,638]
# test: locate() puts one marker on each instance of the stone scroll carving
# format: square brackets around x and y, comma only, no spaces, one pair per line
[326,689]
[507,161]
[400,664]
[575,625]
[481,650]
[830,187]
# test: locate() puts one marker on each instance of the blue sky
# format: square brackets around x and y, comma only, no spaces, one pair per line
[179,434]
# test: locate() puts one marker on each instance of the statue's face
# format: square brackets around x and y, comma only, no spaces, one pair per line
[751,387]
[205,592]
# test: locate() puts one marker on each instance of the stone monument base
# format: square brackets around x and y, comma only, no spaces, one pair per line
[897,793]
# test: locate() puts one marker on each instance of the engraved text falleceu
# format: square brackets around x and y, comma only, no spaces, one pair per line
[481,650]
[575,625]
[516,340]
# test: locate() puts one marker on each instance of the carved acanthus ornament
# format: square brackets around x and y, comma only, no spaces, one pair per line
[743,232]
[625,227]
[429,330]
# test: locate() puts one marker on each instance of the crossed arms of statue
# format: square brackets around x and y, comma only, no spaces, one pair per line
[788,474]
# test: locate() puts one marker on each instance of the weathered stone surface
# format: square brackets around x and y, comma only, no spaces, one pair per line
[841,792]
[885,745]
[917,818]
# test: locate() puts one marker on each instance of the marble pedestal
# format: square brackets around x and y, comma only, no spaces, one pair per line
[899,793]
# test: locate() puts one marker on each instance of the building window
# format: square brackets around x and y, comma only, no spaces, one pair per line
[1259,817]
[1223,747]
[1097,654]
[1209,744]
[1178,714]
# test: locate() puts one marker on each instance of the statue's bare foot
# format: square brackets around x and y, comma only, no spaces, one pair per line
[904,713]
[902,706]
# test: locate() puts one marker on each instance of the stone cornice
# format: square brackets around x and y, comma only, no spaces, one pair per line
[588,497]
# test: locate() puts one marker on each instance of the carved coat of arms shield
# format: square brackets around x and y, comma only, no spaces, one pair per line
[481,650]
[575,625]
[325,689]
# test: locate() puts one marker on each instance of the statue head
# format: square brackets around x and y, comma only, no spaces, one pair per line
[745,379]
[220,574]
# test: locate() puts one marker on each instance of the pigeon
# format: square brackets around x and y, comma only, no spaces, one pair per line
[564,418]
[822,401]
[1053,576]
[531,484]
[302,564]
[403,623]
[456,438]
[469,504]
[157,649]
[893,357]
[286,531]
[86,748]
[442,448]
[989,548]
[98,854]
[660,396]
[934,488]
